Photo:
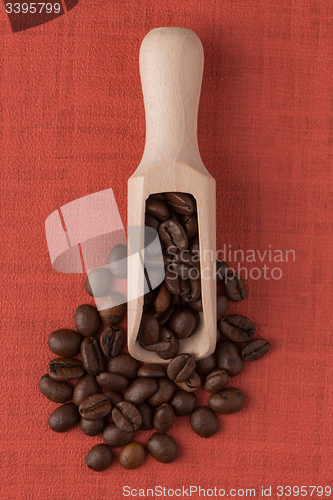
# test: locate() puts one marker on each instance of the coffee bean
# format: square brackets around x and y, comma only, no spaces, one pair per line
[162,447]
[92,427]
[173,236]
[194,292]
[117,262]
[64,417]
[92,356]
[63,369]
[87,320]
[229,400]
[167,346]
[126,416]
[132,456]
[175,284]
[216,381]
[196,304]
[181,203]
[58,392]
[148,330]
[222,304]
[112,309]
[157,209]
[114,437]
[140,390]
[204,422]
[124,365]
[255,349]
[112,381]
[147,415]
[95,407]
[237,328]
[193,246]
[113,340]
[162,300]
[206,365]
[183,403]
[189,223]
[191,384]
[99,457]
[166,315]
[98,282]
[152,370]
[164,417]
[65,343]
[222,268]
[186,265]
[235,288]
[164,393]
[228,358]
[157,196]
[150,221]
[84,387]
[183,323]
[181,367]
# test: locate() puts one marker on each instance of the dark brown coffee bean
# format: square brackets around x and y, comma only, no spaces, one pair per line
[164,393]
[204,422]
[237,328]
[117,262]
[95,407]
[235,288]
[183,323]
[132,456]
[175,284]
[163,418]
[191,384]
[65,343]
[162,300]
[216,381]
[126,416]
[181,203]
[99,457]
[112,309]
[147,415]
[87,320]
[84,387]
[255,349]
[186,265]
[227,401]
[189,223]
[222,304]
[98,282]
[193,246]
[157,196]
[124,365]
[194,292]
[113,340]
[148,330]
[58,392]
[152,370]
[167,341]
[114,437]
[206,365]
[140,390]
[173,236]
[92,356]
[228,358]
[219,336]
[157,209]
[63,369]
[92,427]
[164,317]
[114,397]
[183,403]
[221,271]
[181,367]
[162,447]
[64,417]
[196,304]
[112,381]
[150,221]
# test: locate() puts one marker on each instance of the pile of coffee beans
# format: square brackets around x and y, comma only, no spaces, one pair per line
[106,391]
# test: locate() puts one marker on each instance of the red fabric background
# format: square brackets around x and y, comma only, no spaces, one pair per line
[72,123]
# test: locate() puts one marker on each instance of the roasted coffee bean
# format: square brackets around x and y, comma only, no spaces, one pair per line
[84,387]
[152,370]
[191,384]
[255,349]
[186,266]
[228,358]
[157,196]
[92,356]
[237,328]
[147,415]
[157,209]
[222,304]
[112,309]
[183,403]
[64,417]
[235,288]
[167,346]
[173,235]
[216,381]
[114,397]
[63,369]
[206,365]
[196,304]
[113,340]
[114,437]
[124,365]
[189,223]
[194,292]
[112,381]
[181,203]
[148,330]
[150,221]
[175,284]
[58,392]
[98,282]
[162,300]
[164,393]
[219,336]
[163,418]
[162,447]
[65,343]
[99,457]
[95,407]
[140,390]
[117,262]
[183,323]
[87,320]
[193,246]
[126,416]
[92,427]
[204,422]
[229,400]
[166,315]
[132,456]
[221,271]
[181,367]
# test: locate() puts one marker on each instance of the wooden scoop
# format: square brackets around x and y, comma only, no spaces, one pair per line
[171,67]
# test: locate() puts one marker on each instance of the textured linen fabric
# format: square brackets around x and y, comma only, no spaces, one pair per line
[71,124]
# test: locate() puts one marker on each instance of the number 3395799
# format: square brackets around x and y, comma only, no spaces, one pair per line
[32,8]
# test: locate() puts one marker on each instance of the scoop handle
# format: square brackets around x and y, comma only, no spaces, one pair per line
[171,69]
